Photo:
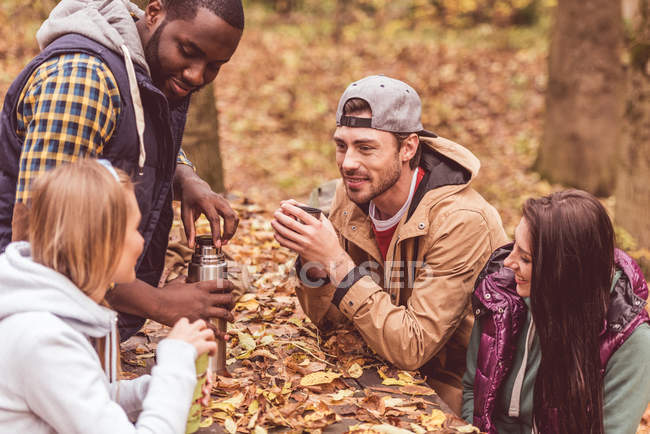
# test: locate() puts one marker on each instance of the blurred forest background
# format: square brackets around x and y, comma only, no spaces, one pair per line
[547,93]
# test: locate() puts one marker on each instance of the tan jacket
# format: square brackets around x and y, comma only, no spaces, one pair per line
[417,316]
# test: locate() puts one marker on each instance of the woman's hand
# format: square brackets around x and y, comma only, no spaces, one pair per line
[196,334]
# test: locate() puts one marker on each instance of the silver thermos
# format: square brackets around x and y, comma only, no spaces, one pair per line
[208,263]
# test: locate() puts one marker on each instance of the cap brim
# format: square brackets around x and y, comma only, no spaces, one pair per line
[426,133]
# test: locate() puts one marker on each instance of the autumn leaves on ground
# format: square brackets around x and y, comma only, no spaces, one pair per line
[481,85]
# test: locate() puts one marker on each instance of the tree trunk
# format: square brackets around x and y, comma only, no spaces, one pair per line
[585,96]
[201,138]
[633,189]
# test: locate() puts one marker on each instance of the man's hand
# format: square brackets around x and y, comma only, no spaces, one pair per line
[201,300]
[178,299]
[314,240]
[196,198]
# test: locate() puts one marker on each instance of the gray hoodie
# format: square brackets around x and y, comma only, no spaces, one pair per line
[52,379]
[110,23]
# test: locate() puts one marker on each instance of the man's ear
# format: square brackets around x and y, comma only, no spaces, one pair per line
[410,147]
[154,14]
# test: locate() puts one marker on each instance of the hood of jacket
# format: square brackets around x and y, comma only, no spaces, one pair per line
[26,286]
[107,22]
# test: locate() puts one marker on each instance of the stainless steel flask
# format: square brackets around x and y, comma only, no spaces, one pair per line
[208,263]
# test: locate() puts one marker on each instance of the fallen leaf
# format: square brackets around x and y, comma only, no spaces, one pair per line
[344,393]
[321,377]
[413,389]
[259,430]
[467,429]
[228,405]
[230,425]
[355,371]
[246,341]
[433,421]
[206,422]
[295,321]
[266,340]
[417,429]
[145,356]
[263,353]
[253,407]
[389,401]
[247,302]
[253,421]
[383,428]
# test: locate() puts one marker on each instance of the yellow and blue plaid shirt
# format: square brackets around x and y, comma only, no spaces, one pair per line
[68,109]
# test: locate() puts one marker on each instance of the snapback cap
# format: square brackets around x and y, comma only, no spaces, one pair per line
[395,106]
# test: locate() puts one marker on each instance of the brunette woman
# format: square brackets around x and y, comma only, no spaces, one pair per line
[561,341]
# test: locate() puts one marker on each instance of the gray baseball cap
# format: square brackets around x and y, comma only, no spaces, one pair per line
[395,106]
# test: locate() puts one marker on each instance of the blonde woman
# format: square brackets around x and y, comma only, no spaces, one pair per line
[83,238]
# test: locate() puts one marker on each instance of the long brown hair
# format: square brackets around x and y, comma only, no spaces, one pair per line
[77,222]
[572,242]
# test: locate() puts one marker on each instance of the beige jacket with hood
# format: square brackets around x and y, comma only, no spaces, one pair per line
[414,308]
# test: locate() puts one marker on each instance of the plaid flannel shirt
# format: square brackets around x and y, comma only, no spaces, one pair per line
[68,109]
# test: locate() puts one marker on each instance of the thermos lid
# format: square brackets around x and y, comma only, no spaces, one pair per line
[204,240]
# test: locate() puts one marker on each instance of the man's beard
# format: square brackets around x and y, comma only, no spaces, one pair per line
[153,58]
[386,179]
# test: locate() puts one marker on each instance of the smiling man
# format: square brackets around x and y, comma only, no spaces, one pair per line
[114,81]
[406,238]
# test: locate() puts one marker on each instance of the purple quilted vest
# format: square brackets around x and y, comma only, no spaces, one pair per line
[502,313]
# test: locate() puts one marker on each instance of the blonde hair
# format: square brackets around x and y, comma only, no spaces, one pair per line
[77,222]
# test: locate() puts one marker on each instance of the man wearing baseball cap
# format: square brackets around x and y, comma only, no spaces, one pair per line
[406,238]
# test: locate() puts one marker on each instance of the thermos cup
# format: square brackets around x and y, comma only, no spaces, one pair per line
[314,212]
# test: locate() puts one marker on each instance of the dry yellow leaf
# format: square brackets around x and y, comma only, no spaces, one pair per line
[433,421]
[355,371]
[253,421]
[467,429]
[295,321]
[246,341]
[389,401]
[383,428]
[220,415]
[206,422]
[250,304]
[394,382]
[417,429]
[259,430]
[403,379]
[417,390]
[338,396]
[266,340]
[230,425]
[229,405]
[286,388]
[321,377]
[253,407]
